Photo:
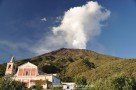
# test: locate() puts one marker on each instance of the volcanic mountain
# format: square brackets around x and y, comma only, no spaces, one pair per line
[68,63]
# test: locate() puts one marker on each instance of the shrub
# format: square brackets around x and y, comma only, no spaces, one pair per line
[50,69]
[80,80]
[37,86]
[88,63]
[11,85]
[118,82]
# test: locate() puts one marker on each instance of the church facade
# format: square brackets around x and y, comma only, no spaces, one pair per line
[28,73]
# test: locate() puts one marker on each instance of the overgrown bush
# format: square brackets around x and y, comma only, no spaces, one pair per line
[118,82]
[38,85]
[11,85]
[50,69]
[80,81]
[89,64]
[56,88]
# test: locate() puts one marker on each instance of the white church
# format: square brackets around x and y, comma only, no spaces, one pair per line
[28,73]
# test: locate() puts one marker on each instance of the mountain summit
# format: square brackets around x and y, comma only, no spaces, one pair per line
[71,62]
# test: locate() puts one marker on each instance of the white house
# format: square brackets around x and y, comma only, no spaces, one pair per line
[68,85]
[28,73]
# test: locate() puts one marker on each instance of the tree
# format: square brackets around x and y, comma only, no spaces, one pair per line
[118,82]
[123,83]
[38,84]
[80,81]
[50,69]
[8,84]
[89,64]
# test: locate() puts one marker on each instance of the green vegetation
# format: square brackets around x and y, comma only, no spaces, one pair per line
[56,88]
[80,81]
[36,87]
[117,82]
[11,85]
[88,63]
[96,68]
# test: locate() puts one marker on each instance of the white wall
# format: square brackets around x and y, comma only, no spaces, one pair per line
[68,86]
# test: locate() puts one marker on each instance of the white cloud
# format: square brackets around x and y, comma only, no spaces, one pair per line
[44,19]
[78,26]
[58,19]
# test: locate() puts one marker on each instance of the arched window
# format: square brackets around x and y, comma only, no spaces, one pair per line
[9,66]
[26,73]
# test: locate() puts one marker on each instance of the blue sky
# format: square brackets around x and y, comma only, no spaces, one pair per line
[21,26]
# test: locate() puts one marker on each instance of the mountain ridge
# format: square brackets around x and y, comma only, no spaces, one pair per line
[68,63]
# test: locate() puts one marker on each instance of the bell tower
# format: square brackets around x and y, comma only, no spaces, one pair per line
[11,68]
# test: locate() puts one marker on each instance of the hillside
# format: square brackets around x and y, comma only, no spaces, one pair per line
[71,62]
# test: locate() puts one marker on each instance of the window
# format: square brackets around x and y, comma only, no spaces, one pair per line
[26,73]
[67,86]
[9,66]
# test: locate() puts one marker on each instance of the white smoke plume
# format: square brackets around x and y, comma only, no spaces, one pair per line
[78,26]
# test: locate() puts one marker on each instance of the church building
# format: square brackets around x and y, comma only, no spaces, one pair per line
[29,74]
